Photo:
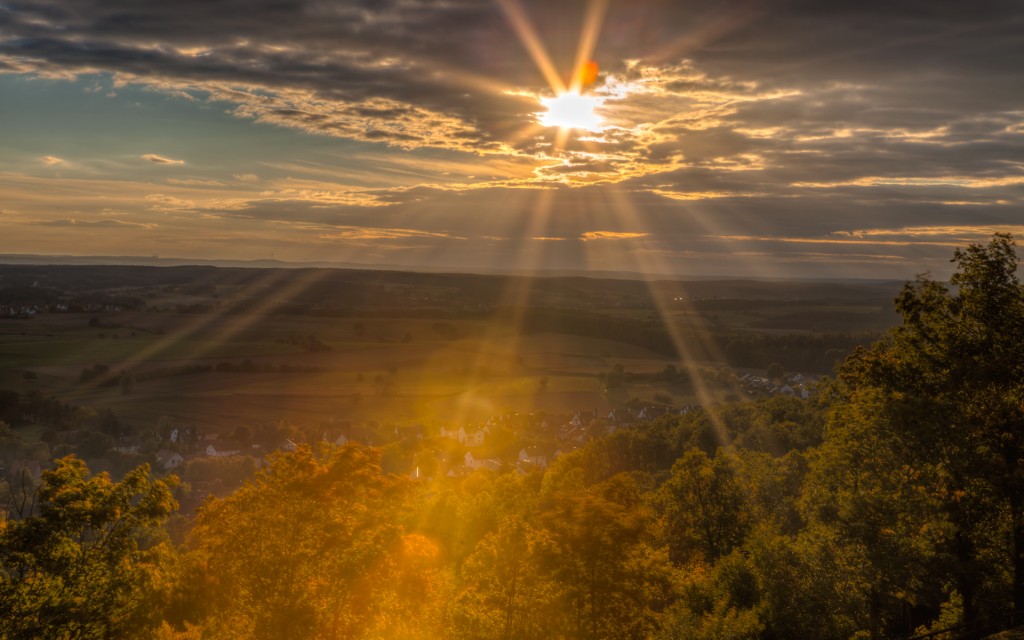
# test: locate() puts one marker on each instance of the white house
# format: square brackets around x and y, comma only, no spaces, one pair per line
[471,437]
[223,449]
[168,459]
[453,434]
[620,417]
[479,463]
[652,412]
[130,444]
[475,436]
[583,418]
[533,456]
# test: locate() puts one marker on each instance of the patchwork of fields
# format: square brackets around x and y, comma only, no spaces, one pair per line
[254,346]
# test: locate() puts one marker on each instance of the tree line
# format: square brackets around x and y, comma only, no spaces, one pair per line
[889,504]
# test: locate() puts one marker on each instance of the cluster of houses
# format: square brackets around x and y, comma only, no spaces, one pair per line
[22,311]
[795,384]
[563,432]
[568,431]
[532,457]
[585,425]
[169,459]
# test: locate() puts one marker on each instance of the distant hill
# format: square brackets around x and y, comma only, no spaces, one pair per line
[268,263]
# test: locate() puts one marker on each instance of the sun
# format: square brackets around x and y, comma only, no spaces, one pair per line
[572,110]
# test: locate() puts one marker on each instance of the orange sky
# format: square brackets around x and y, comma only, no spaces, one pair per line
[854,139]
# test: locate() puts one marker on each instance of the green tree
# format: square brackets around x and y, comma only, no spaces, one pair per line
[810,586]
[949,393]
[716,604]
[504,593]
[612,579]
[705,507]
[10,406]
[300,550]
[869,498]
[80,566]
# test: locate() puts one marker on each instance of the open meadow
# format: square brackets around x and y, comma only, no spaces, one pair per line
[239,347]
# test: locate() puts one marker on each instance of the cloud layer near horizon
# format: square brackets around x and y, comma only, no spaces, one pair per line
[866,136]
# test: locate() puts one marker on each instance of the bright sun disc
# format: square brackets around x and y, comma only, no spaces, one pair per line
[571,111]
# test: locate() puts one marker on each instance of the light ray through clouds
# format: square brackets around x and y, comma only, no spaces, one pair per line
[523,28]
[756,116]
[516,296]
[592,23]
[693,345]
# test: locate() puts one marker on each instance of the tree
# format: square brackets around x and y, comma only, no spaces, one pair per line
[948,389]
[613,582]
[10,406]
[810,586]
[868,499]
[326,525]
[127,382]
[616,378]
[79,567]
[705,507]
[716,603]
[505,595]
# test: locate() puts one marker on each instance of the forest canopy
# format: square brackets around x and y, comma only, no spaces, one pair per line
[889,503]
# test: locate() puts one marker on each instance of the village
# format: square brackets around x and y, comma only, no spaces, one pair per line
[525,441]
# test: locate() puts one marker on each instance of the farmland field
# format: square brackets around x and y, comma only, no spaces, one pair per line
[246,347]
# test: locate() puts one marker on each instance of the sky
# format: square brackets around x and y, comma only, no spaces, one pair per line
[841,138]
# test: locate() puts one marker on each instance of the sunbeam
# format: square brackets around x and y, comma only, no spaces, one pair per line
[531,41]
[585,71]
[694,346]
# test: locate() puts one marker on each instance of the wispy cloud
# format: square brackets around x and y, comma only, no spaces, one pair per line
[968,233]
[195,182]
[105,223]
[158,159]
[611,235]
[790,122]
[372,233]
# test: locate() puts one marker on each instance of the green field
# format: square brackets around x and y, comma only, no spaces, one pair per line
[231,347]
[414,377]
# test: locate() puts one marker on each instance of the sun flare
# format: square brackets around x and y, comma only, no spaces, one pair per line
[571,110]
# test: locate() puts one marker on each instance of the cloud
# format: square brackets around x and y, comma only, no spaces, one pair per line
[106,223]
[735,120]
[683,84]
[372,233]
[957,234]
[157,159]
[165,203]
[611,235]
[51,161]
[194,182]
